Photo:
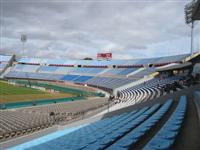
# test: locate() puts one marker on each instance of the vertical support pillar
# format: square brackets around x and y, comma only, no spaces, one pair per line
[192,30]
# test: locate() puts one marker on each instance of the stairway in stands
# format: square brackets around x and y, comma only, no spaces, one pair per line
[141,93]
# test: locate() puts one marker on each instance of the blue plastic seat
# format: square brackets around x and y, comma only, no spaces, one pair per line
[172,127]
[168,134]
[132,137]
[159,144]
[165,138]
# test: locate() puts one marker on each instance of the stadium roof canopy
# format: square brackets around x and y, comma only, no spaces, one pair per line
[174,66]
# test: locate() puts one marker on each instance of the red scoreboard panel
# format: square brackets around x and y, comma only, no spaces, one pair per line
[104,56]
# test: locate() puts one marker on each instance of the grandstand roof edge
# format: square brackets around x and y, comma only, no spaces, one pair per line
[19,57]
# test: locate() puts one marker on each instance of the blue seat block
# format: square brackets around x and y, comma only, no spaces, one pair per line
[159,144]
[172,127]
[168,134]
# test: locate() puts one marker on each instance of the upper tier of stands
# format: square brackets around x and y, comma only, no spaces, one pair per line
[3,65]
[109,82]
[144,72]
[26,68]
[119,71]
[5,58]
[72,70]
[4,61]
[92,72]
[159,60]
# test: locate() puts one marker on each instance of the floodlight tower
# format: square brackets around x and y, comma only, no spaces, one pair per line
[189,21]
[23,40]
[192,37]
[192,14]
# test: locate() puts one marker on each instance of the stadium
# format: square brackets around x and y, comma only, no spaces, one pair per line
[51,103]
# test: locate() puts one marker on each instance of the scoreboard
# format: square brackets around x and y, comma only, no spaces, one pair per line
[104,56]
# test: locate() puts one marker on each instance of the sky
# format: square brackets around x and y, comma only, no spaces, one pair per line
[74,29]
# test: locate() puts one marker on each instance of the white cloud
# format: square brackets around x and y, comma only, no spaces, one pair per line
[77,29]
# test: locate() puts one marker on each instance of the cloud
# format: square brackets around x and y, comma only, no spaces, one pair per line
[77,29]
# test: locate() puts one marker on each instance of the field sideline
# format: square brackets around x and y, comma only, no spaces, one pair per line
[10,93]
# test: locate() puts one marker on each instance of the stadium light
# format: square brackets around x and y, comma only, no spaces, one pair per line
[189,18]
[23,40]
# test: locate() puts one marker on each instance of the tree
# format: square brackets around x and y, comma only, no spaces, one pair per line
[87,58]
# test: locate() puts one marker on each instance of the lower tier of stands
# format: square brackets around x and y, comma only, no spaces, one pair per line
[166,137]
[14,124]
[23,121]
[123,131]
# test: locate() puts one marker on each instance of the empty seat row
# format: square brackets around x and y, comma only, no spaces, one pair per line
[143,92]
[111,133]
[135,135]
[120,71]
[109,82]
[26,120]
[26,68]
[166,137]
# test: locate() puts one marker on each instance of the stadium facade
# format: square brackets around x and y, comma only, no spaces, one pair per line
[150,104]
[132,85]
